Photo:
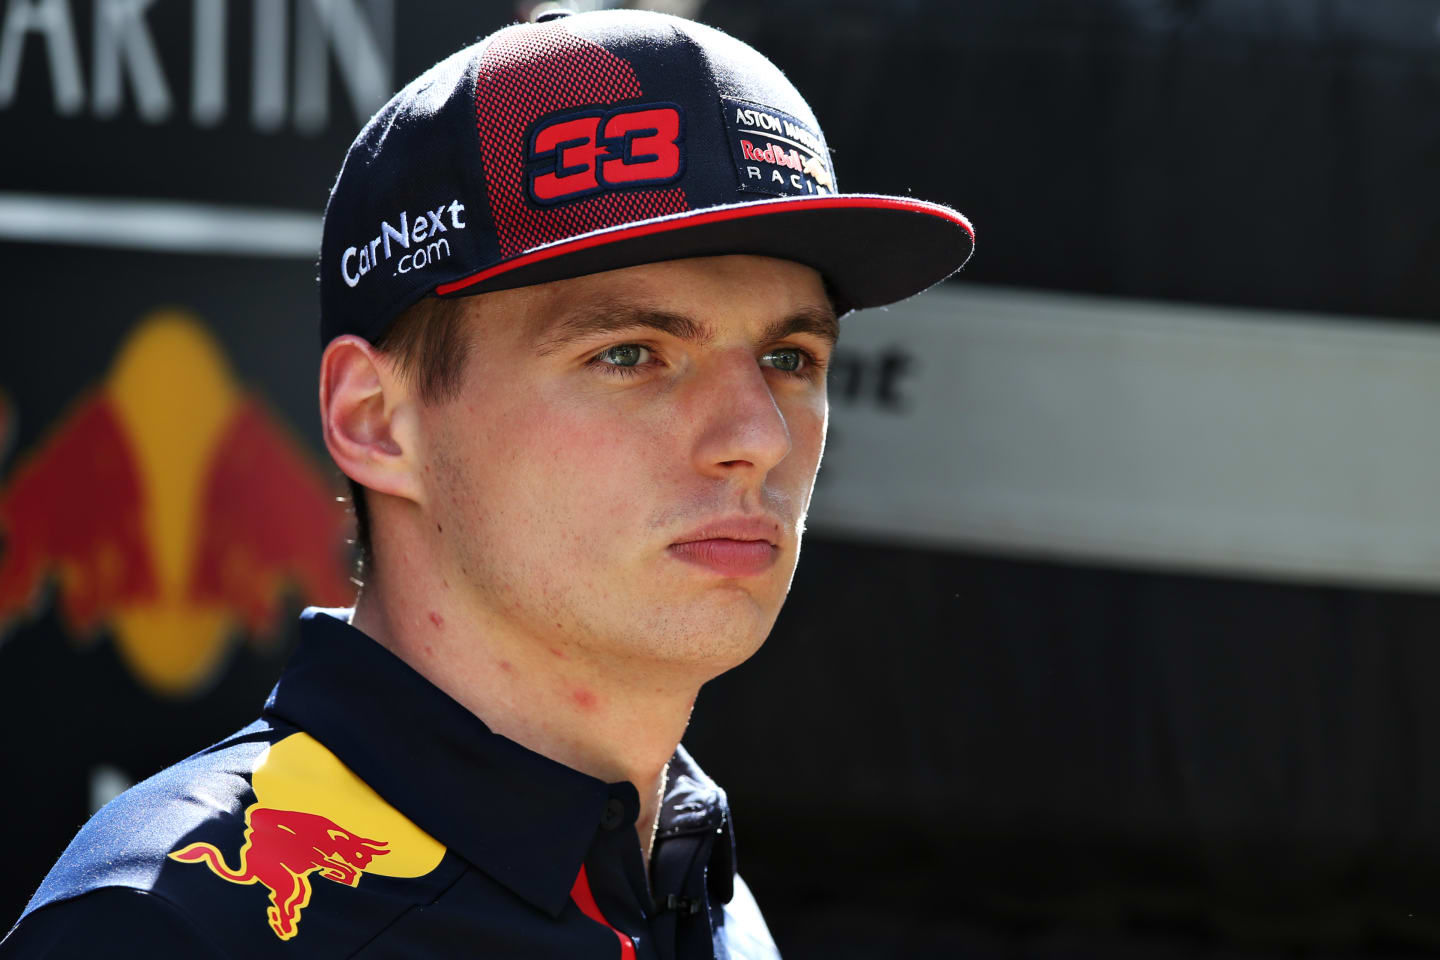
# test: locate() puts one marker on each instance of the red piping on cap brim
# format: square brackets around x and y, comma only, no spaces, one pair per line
[684,221]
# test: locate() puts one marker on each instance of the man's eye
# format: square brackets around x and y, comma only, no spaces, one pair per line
[624,355]
[786,359]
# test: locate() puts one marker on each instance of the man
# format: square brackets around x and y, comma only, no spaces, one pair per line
[579,285]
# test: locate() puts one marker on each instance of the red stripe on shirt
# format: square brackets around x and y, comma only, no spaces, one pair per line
[585,900]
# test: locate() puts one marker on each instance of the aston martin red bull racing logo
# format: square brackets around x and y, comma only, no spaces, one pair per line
[314,818]
[171,507]
[282,849]
[776,153]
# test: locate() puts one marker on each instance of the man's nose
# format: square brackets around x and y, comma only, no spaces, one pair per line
[742,428]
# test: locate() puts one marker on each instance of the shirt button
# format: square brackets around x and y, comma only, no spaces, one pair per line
[614,815]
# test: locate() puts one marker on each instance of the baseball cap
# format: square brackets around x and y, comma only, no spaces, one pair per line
[602,140]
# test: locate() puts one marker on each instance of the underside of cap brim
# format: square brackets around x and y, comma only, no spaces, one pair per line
[872,250]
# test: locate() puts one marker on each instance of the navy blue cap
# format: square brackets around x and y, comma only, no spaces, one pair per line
[597,141]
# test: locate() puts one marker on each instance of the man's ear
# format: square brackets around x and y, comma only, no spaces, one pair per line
[368,418]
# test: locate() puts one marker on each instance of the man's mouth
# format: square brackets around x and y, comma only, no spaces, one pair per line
[732,547]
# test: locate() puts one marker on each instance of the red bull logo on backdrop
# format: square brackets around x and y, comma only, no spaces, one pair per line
[313,817]
[172,507]
[5,421]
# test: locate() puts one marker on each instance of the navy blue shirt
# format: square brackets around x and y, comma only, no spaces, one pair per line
[367,814]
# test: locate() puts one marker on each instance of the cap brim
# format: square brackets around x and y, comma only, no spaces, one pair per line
[871,249]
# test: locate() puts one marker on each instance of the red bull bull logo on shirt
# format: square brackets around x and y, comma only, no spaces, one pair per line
[282,848]
[308,809]
[173,508]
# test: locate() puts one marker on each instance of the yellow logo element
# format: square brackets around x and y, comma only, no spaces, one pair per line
[172,505]
[816,171]
[312,814]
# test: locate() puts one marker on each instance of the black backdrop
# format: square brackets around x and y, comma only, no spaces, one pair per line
[937,753]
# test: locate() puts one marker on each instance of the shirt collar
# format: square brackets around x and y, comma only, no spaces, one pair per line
[695,804]
[522,818]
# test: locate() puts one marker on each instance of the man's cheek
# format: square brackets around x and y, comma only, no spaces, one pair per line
[582,471]
[807,435]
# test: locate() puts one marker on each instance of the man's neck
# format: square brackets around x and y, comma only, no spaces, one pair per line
[547,695]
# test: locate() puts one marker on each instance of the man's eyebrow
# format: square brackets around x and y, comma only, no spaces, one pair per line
[598,319]
[817,321]
[603,318]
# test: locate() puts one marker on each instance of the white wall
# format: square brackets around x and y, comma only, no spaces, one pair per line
[1239,441]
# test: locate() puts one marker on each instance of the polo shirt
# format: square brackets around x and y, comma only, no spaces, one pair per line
[367,814]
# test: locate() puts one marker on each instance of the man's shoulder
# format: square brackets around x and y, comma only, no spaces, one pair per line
[116,922]
[127,842]
[107,887]
[120,855]
[231,843]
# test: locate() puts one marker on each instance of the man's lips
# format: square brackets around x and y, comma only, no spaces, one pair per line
[731,547]
[729,558]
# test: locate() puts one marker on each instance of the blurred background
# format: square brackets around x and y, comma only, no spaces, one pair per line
[1116,628]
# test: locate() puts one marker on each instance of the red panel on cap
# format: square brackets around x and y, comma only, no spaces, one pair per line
[526,73]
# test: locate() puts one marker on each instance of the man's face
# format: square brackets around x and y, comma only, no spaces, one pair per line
[626,470]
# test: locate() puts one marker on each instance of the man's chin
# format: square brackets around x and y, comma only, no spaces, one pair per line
[732,624]
[705,631]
